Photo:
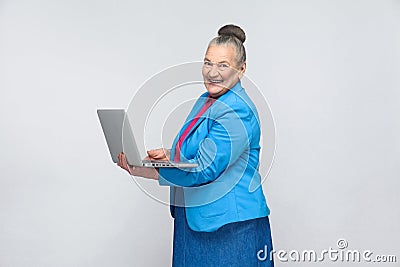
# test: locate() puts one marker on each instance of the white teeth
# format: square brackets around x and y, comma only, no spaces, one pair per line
[215,81]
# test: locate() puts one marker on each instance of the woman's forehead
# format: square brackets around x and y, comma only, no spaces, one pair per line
[220,53]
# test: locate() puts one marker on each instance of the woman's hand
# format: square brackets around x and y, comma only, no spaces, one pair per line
[158,154]
[145,172]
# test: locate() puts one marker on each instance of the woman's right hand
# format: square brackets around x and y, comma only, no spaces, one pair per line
[158,154]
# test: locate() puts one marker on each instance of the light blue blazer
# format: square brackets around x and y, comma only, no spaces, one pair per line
[224,142]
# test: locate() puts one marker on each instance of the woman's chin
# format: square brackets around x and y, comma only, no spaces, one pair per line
[215,90]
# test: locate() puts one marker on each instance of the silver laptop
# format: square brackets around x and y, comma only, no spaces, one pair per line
[120,138]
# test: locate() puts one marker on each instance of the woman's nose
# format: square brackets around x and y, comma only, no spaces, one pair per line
[213,73]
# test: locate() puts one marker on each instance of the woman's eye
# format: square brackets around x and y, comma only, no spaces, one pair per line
[223,66]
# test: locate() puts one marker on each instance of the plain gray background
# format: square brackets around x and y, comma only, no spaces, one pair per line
[329,69]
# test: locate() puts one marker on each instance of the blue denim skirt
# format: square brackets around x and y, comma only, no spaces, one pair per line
[241,244]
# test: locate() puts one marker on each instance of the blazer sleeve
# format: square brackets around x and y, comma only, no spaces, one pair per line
[227,140]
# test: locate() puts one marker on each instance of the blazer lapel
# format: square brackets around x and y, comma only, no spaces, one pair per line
[220,102]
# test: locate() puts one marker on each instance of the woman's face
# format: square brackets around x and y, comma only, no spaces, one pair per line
[220,72]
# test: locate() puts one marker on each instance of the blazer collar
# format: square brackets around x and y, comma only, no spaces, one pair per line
[234,90]
[203,98]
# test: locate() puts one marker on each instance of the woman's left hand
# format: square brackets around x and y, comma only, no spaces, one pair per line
[150,173]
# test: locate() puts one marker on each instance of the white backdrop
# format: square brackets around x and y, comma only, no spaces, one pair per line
[330,72]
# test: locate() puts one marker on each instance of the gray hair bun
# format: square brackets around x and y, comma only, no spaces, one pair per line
[232,30]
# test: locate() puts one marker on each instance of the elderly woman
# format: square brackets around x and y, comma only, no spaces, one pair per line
[219,209]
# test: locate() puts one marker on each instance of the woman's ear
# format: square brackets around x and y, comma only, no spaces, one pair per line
[242,70]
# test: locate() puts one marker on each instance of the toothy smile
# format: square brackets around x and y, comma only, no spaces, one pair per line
[215,81]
